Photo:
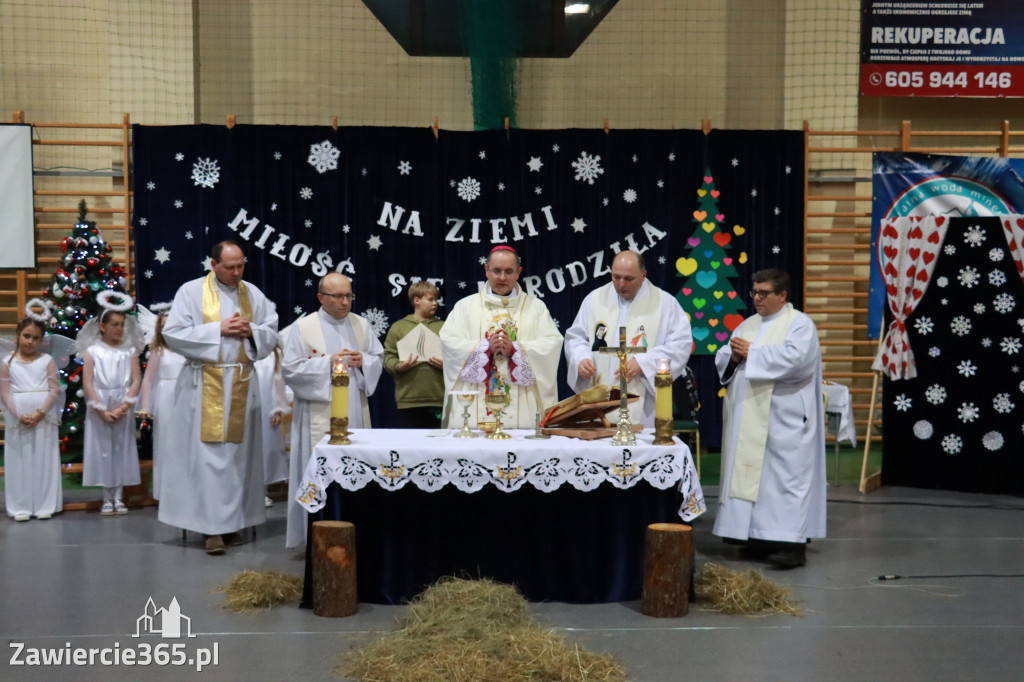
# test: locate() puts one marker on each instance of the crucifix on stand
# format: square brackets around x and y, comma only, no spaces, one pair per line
[624,435]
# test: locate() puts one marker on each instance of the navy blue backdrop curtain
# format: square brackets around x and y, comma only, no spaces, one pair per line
[957,425]
[389,206]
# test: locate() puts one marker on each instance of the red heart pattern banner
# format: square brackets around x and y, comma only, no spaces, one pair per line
[909,247]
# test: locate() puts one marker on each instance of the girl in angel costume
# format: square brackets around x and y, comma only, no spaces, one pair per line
[111,378]
[33,400]
[157,397]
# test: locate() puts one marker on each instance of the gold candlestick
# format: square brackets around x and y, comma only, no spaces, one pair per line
[339,406]
[663,404]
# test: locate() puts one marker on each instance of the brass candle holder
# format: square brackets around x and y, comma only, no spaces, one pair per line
[663,424]
[496,402]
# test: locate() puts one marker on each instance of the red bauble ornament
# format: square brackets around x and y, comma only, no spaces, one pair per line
[92,262]
[64,244]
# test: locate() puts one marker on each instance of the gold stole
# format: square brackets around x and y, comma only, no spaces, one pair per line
[213,376]
[755,410]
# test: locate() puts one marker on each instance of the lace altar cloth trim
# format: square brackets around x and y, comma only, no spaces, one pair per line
[393,458]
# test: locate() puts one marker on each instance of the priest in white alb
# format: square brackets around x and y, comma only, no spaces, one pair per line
[221,325]
[312,346]
[653,319]
[772,496]
[501,339]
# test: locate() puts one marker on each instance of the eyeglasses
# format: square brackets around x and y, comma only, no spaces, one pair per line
[341,297]
[762,294]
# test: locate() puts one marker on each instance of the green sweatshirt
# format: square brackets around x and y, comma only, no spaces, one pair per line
[421,386]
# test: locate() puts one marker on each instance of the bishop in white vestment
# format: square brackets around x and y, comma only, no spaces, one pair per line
[311,346]
[652,317]
[502,340]
[221,325]
[773,441]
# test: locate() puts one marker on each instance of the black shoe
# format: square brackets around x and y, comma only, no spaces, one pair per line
[758,550]
[791,556]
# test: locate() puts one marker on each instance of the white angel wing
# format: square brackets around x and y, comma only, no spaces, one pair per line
[60,348]
[88,335]
[147,323]
[7,347]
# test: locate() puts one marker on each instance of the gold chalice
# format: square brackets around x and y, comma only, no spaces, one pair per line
[465,398]
[496,402]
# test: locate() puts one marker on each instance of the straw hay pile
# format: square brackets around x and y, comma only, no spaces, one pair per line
[254,590]
[459,630]
[741,592]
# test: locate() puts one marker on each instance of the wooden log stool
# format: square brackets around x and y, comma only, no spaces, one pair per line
[668,570]
[334,569]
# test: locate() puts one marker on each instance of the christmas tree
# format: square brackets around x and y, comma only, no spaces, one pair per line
[84,270]
[709,296]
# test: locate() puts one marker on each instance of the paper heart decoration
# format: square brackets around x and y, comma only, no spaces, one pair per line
[721,336]
[737,230]
[733,321]
[718,308]
[732,294]
[743,257]
[715,193]
[700,215]
[727,261]
[723,238]
[719,217]
[707,278]
[699,303]
[715,265]
[693,242]
[700,333]
[687,291]
[708,226]
[707,254]
[701,192]
[712,347]
[698,315]
[719,294]
[686,266]
[713,322]
[708,179]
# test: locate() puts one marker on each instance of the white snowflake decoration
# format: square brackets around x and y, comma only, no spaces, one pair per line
[986,342]
[188,234]
[1010,345]
[469,189]
[462,285]
[952,444]
[923,325]
[671,156]
[967,368]
[1004,303]
[776,249]
[178,203]
[997,278]
[902,403]
[629,196]
[483,154]
[148,274]
[993,440]
[273,206]
[950,249]
[661,183]
[404,167]
[753,192]
[604,202]
[306,193]
[923,429]
[277,156]
[961,325]
[968,276]
[143,221]
[538,190]
[661,260]
[378,321]
[1002,403]
[501,186]
[968,412]
[935,394]
[1021,386]
[934,351]
[150,185]
[975,236]
[179,157]
[979,308]
[587,168]
[323,156]
[206,173]
[308,282]
[307,223]
[298,309]
[942,281]
[995,255]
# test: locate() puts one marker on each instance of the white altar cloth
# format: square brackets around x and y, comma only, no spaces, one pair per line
[392,458]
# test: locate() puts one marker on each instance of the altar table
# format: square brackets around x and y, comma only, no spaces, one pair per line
[563,519]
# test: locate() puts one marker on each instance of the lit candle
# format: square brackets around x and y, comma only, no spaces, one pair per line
[663,391]
[339,391]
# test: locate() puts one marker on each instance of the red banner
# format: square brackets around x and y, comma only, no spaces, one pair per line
[924,80]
